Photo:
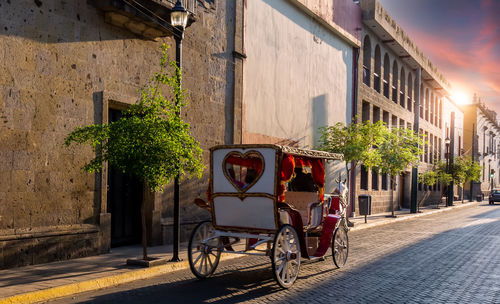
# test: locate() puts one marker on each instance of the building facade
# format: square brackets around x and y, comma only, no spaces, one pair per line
[482,143]
[68,64]
[65,64]
[401,87]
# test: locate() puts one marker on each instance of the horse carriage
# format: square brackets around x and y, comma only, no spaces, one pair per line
[272,197]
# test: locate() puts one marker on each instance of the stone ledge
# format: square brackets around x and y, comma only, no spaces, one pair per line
[39,232]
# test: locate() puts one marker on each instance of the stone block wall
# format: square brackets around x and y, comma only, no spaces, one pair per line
[55,58]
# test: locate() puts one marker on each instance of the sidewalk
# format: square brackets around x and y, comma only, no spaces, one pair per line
[37,283]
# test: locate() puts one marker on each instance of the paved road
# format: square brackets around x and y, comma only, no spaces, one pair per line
[451,257]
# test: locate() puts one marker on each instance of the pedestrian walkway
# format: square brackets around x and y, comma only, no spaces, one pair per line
[37,283]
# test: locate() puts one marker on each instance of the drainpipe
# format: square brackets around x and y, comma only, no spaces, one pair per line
[352,182]
[416,127]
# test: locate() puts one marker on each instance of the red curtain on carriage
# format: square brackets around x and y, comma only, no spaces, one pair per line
[288,165]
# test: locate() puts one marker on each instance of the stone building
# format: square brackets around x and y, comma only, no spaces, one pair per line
[453,130]
[482,143]
[401,87]
[65,64]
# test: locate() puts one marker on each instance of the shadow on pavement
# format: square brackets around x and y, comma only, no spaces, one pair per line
[459,265]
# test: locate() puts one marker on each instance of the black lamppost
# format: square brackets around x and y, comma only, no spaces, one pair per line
[178,19]
[447,145]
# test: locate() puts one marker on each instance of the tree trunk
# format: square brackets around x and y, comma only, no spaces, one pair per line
[144,232]
[392,194]
[348,183]
[462,187]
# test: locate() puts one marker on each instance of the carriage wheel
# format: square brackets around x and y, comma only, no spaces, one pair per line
[203,257]
[340,247]
[285,256]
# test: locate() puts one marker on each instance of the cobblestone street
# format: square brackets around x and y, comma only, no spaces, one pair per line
[451,257]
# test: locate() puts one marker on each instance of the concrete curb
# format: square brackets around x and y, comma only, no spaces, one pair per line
[412,216]
[144,273]
[100,283]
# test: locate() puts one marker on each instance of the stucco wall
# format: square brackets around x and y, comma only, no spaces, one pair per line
[298,75]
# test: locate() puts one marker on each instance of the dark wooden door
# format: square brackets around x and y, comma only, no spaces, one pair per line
[124,203]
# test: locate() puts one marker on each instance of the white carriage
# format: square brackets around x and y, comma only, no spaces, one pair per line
[273,198]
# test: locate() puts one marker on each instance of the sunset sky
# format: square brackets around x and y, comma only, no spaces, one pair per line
[461,37]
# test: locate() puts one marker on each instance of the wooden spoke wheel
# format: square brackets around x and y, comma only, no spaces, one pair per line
[340,247]
[285,256]
[204,255]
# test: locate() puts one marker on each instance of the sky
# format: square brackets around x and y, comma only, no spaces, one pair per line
[461,38]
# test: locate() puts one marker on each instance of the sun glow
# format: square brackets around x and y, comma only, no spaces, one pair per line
[460,97]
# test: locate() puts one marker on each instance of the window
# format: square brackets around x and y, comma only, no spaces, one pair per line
[426,105]
[367,53]
[395,77]
[365,114]
[384,181]
[376,114]
[421,101]
[374,180]
[402,99]
[410,93]
[364,178]
[394,123]
[377,72]
[431,109]
[387,67]
[385,118]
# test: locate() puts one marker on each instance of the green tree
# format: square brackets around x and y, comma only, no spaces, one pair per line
[357,142]
[429,178]
[399,149]
[443,175]
[150,141]
[464,169]
[473,170]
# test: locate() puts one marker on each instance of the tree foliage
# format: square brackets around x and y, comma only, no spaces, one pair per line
[472,169]
[428,178]
[357,141]
[462,170]
[150,140]
[399,149]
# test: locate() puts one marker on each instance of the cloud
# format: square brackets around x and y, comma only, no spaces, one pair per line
[463,42]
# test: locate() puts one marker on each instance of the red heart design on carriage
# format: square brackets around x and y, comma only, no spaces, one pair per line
[243,170]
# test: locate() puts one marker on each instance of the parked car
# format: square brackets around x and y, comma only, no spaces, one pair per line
[494,196]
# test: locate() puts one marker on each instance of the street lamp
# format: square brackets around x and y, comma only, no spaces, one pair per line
[447,145]
[178,19]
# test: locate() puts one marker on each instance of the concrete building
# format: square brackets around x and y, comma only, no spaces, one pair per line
[299,70]
[65,64]
[482,142]
[401,87]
